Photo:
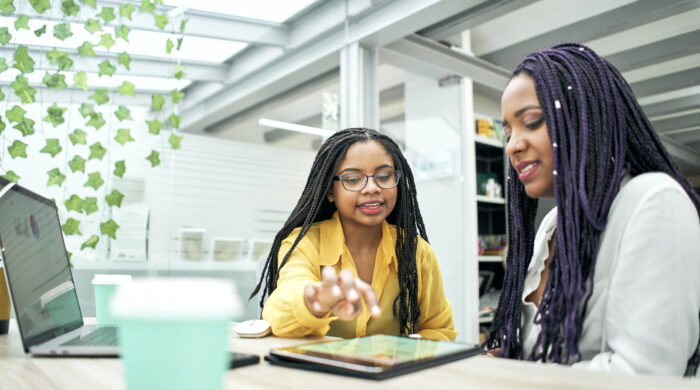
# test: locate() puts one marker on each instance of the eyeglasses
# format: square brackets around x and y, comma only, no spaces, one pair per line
[385,179]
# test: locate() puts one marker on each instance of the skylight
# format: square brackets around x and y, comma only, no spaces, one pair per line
[144,43]
[275,11]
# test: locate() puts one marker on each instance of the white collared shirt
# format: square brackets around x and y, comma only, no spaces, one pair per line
[643,313]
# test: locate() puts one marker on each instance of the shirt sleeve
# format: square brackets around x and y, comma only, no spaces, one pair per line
[285,309]
[436,320]
[651,318]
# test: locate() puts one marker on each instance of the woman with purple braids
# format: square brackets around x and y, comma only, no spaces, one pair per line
[611,279]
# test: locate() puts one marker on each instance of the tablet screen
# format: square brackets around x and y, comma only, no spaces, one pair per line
[375,351]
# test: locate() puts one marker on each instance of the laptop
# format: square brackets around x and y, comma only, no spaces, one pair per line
[41,284]
[372,357]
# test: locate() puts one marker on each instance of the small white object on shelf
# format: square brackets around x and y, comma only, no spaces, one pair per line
[226,249]
[490,199]
[191,243]
[259,249]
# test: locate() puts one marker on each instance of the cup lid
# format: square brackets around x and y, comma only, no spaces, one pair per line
[176,298]
[110,279]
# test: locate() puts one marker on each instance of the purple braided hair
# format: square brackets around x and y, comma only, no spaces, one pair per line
[601,134]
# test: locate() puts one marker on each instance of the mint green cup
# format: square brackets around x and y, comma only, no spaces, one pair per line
[105,286]
[173,333]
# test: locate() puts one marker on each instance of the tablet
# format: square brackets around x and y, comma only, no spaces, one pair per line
[372,357]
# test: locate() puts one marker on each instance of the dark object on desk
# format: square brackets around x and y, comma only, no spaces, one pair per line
[243,359]
[372,357]
[4,326]
[4,305]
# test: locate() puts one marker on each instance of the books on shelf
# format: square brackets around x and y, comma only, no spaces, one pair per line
[490,128]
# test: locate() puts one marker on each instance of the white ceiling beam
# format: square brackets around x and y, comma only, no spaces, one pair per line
[453,62]
[682,153]
[200,23]
[77,95]
[546,15]
[375,26]
[140,65]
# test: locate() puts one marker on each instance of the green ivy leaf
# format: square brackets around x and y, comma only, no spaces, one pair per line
[124,59]
[25,126]
[157,102]
[62,31]
[71,227]
[87,49]
[114,198]
[6,7]
[78,137]
[2,97]
[55,116]
[106,68]
[123,136]
[22,89]
[22,22]
[109,228]
[40,31]
[175,140]
[11,176]
[106,41]
[86,109]
[53,147]
[119,168]
[60,58]
[94,180]
[97,151]
[77,164]
[179,44]
[5,35]
[176,95]
[168,46]
[182,25]
[107,14]
[126,10]
[55,81]
[23,61]
[154,158]
[96,120]
[40,5]
[16,114]
[74,203]
[174,120]
[80,80]
[100,96]
[3,65]
[123,113]
[2,125]
[90,242]
[69,8]
[147,7]
[91,3]
[179,71]
[93,25]
[18,149]
[160,20]
[154,126]
[55,178]
[126,88]
[89,205]
[122,32]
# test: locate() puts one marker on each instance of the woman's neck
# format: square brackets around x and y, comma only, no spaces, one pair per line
[360,238]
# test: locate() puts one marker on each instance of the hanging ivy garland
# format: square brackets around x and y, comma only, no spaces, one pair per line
[16,117]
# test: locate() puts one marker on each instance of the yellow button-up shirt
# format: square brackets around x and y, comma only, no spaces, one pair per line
[324,245]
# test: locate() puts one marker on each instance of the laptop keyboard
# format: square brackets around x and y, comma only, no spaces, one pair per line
[104,336]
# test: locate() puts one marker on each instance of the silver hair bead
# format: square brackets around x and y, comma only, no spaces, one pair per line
[613,159]
[581,49]
[554,173]
[554,145]
[557,104]
[569,88]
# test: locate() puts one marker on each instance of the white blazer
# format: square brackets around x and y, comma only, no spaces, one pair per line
[643,314]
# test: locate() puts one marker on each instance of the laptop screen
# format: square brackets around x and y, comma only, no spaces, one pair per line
[37,267]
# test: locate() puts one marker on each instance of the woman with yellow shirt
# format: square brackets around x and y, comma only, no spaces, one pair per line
[353,257]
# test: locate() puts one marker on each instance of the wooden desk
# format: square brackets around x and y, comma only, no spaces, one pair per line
[21,372]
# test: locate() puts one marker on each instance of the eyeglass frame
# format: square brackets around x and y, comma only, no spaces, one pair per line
[396,171]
